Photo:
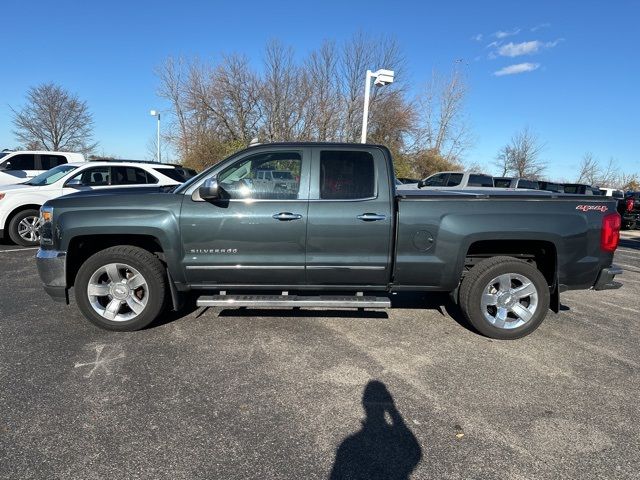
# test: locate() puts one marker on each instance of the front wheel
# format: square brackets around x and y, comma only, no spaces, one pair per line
[504,298]
[121,288]
[24,228]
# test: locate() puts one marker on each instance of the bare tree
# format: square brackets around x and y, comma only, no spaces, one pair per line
[54,119]
[442,125]
[521,157]
[593,173]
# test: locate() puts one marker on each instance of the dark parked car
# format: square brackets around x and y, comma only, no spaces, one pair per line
[581,189]
[630,210]
[341,237]
[515,182]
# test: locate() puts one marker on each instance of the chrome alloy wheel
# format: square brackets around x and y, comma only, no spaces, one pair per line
[509,301]
[29,228]
[118,292]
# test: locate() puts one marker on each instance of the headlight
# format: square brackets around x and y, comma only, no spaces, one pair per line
[46,214]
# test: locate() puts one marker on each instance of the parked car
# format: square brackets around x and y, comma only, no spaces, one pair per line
[631,210]
[551,186]
[344,229]
[581,189]
[19,204]
[612,192]
[18,166]
[406,181]
[515,182]
[456,180]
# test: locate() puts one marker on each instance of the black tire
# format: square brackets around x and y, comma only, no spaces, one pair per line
[14,228]
[478,279]
[154,291]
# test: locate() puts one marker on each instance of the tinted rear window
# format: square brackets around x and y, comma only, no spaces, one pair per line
[480,181]
[172,173]
[346,175]
[502,182]
[454,180]
[50,161]
[528,184]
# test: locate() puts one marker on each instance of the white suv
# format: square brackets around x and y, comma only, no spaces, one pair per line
[16,167]
[20,204]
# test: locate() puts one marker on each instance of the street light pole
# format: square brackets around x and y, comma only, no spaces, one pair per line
[383,77]
[365,110]
[158,155]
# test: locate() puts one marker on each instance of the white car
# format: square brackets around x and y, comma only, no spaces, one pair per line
[20,204]
[16,167]
[451,180]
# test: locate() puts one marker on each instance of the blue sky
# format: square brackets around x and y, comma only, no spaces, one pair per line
[578,61]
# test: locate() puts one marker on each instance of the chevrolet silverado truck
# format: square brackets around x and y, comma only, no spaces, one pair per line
[340,237]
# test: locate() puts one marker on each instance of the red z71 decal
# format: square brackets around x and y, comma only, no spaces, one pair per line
[598,208]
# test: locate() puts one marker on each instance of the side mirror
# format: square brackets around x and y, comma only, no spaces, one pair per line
[210,189]
[74,183]
[421,183]
[6,166]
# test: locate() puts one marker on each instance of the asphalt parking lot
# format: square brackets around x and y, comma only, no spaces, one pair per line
[315,394]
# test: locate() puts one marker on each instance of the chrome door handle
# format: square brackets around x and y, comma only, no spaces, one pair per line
[371,217]
[286,216]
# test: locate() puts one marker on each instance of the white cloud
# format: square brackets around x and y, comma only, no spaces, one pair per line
[516,49]
[539,26]
[506,33]
[525,48]
[478,37]
[517,68]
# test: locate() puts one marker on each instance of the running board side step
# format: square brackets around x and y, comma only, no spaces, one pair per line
[291,301]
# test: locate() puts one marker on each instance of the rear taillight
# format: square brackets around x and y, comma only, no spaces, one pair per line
[610,234]
[629,204]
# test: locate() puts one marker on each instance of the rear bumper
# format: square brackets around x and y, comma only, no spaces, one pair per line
[52,268]
[606,277]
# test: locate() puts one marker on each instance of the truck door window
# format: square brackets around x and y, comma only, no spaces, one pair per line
[346,175]
[265,176]
[437,180]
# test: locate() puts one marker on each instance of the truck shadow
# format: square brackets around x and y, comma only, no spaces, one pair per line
[384,448]
[630,243]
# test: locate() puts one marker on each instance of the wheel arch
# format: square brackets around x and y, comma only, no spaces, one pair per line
[17,210]
[82,247]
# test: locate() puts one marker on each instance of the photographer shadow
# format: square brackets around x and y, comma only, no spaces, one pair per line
[384,448]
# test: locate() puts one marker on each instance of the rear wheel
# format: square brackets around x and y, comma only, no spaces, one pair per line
[121,288]
[24,228]
[504,298]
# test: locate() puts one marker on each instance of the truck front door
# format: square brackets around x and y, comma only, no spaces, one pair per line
[257,234]
[350,226]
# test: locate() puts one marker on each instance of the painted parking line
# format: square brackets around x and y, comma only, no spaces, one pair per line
[19,249]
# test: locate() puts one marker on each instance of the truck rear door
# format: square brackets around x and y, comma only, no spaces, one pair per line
[350,220]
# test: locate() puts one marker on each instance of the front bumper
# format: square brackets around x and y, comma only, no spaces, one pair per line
[605,278]
[52,268]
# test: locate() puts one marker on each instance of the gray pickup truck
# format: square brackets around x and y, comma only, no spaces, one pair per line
[339,236]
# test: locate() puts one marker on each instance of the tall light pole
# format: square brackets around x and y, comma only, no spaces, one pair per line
[383,77]
[155,113]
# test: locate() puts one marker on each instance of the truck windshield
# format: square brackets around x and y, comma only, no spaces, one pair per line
[50,176]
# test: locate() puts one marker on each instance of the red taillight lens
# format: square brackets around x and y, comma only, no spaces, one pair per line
[610,234]
[629,204]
